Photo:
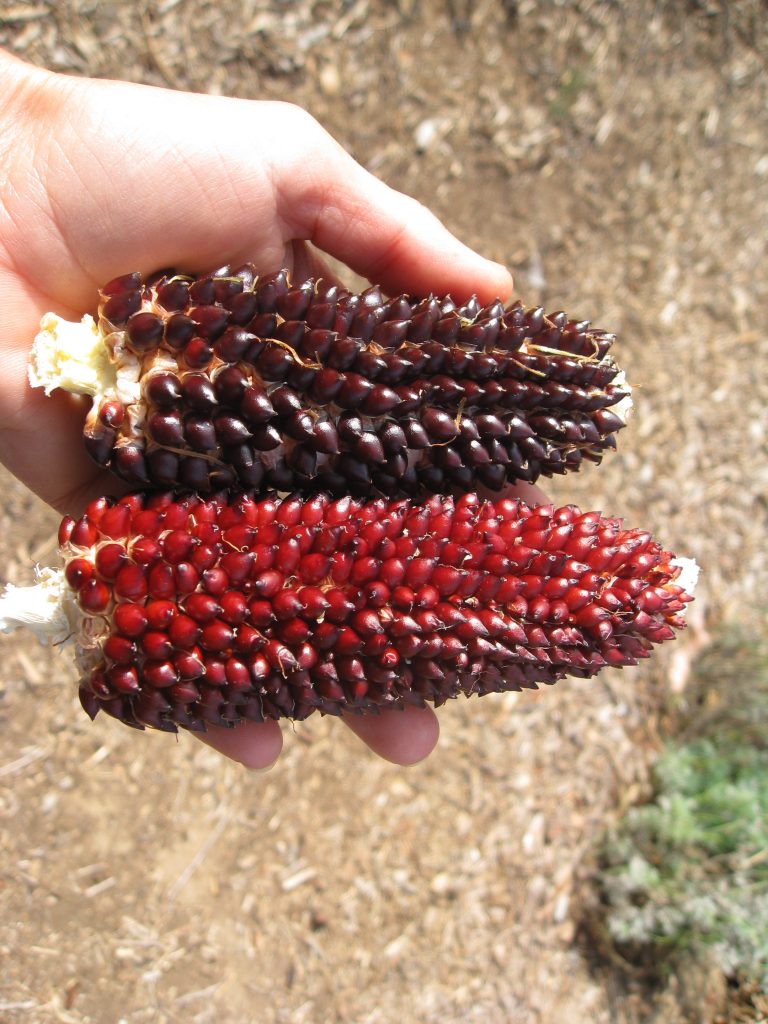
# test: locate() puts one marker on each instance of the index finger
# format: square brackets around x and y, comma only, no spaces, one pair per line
[380,233]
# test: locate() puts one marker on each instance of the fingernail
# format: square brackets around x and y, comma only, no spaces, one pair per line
[260,769]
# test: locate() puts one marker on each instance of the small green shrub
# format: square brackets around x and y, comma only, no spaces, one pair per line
[688,871]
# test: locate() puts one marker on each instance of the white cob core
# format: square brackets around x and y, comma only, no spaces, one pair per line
[70,356]
[48,608]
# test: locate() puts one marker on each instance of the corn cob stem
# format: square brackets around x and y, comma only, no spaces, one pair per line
[48,608]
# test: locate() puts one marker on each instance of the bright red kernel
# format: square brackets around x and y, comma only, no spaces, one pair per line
[110,558]
[130,619]
[94,596]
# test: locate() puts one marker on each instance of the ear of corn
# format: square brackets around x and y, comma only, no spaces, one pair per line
[231,379]
[232,604]
[198,610]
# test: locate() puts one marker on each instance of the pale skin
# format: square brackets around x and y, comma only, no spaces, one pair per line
[99,178]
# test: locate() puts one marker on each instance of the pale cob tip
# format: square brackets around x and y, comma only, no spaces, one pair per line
[689,574]
[623,409]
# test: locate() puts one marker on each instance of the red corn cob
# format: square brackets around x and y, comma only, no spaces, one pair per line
[231,379]
[189,611]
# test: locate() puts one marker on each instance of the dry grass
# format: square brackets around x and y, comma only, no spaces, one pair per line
[615,156]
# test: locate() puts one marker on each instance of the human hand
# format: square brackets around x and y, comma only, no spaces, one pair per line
[100,178]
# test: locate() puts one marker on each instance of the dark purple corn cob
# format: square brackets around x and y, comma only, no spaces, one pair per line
[223,609]
[236,380]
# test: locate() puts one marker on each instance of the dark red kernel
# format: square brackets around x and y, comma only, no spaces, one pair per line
[160,674]
[183,632]
[145,331]
[216,636]
[123,679]
[119,307]
[156,645]
[130,619]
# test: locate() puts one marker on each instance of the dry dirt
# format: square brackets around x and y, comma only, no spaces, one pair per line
[616,157]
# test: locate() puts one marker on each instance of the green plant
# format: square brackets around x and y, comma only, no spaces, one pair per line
[688,871]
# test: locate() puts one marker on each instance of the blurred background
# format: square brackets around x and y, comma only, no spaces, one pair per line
[594,853]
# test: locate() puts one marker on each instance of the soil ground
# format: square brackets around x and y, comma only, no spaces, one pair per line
[616,157]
